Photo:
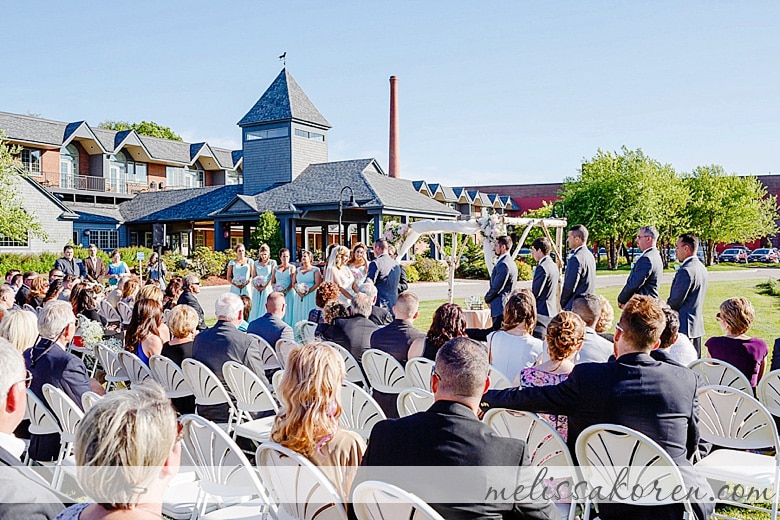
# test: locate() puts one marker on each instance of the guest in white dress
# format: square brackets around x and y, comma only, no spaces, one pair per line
[264,270]
[338,272]
[284,279]
[357,263]
[513,348]
[240,272]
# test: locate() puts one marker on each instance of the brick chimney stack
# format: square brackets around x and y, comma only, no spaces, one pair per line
[395,169]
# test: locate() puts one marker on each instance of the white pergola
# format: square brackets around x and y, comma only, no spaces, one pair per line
[472,227]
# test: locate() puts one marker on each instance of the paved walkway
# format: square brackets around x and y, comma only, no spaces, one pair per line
[463,288]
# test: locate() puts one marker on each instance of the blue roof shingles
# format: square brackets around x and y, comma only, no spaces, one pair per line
[178,205]
[284,100]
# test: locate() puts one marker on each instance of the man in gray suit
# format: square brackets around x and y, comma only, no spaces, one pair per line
[385,272]
[645,276]
[580,276]
[69,265]
[688,289]
[270,326]
[502,280]
[545,284]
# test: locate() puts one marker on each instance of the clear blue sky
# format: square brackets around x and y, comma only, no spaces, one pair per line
[490,92]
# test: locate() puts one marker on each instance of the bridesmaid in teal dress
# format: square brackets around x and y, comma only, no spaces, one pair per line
[264,267]
[284,277]
[305,301]
[240,272]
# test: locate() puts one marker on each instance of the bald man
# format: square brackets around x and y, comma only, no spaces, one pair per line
[270,326]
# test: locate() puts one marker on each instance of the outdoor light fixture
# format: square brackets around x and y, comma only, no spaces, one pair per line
[351,204]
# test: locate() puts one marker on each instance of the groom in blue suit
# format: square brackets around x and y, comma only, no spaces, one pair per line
[502,280]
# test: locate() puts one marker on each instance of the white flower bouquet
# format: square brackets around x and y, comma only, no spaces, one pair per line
[91,333]
[491,227]
[301,289]
[239,280]
[259,282]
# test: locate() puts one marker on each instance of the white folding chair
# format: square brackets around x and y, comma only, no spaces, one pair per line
[109,312]
[498,381]
[226,476]
[299,488]
[276,380]
[125,312]
[69,415]
[30,308]
[384,372]
[611,454]
[115,371]
[546,447]
[418,371]
[166,315]
[768,392]
[252,396]
[717,372]
[42,421]
[83,351]
[354,372]
[738,422]
[88,399]
[283,349]
[170,376]
[308,330]
[359,411]
[136,370]
[208,389]
[267,354]
[374,500]
[413,400]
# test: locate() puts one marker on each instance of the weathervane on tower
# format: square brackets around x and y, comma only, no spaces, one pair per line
[283,57]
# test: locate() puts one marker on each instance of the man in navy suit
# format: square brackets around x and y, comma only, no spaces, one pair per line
[69,265]
[688,289]
[645,276]
[385,272]
[23,494]
[580,276]
[653,397]
[49,362]
[502,280]
[449,435]
[270,326]
[545,283]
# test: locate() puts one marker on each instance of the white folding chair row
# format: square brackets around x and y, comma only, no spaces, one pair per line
[136,370]
[252,396]
[418,371]
[359,411]
[283,349]
[88,399]
[109,312]
[374,500]
[354,372]
[125,313]
[768,392]
[42,420]
[208,389]
[717,372]
[115,371]
[384,372]
[413,400]
[267,354]
[68,415]
[170,376]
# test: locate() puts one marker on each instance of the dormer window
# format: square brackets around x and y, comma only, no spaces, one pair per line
[271,133]
[31,160]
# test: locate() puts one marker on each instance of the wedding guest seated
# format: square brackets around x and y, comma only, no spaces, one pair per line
[189,296]
[308,422]
[606,319]
[152,291]
[183,322]
[513,348]
[326,292]
[20,328]
[172,293]
[142,335]
[448,322]
[354,332]
[270,326]
[747,354]
[128,448]
[7,297]
[565,334]
[333,310]
[595,349]
[115,295]
[84,303]
[130,291]
[678,346]
[247,312]
[379,315]
[398,336]
[54,291]
[69,283]
[38,287]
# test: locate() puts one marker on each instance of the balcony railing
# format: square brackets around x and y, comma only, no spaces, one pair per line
[82,182]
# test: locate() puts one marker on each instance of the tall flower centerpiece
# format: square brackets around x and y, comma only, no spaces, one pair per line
[491,227]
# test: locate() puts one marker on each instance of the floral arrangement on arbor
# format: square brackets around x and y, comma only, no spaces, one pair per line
[491,227]
[395,232]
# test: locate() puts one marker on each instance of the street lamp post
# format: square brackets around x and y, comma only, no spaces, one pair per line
[350,204]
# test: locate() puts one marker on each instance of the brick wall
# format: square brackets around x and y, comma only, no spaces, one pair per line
[50,165]
[83,159]
[155,173]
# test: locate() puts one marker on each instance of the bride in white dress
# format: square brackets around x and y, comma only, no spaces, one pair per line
[338,272]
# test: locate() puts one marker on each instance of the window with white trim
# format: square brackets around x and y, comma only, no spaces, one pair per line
[105,238]
[31,160]
[10,242]
[270,133]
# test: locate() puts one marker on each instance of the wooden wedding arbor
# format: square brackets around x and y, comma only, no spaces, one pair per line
[490,228]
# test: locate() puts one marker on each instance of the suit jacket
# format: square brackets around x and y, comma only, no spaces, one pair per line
[502,283]
[353,333]
[75,266]
[396,338]
[449,434]
[386,274]
[380,316]
[689,287]
[189,298]
[94,271]
[21,295]
[49,363]
[580,277]
[271,328]
[23,494]
[645,276]
[545,287]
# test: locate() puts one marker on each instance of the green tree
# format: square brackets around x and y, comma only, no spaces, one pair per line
[149,128]
[268,231]
[728,208]
[15,222]
[614,195]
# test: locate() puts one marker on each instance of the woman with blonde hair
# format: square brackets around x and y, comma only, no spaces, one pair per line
[308,423]
[357,262]
[338,272]
[20,328]
[565,335]
[736,347]
[606,318]
[128,448]
[513,348]
[262,282]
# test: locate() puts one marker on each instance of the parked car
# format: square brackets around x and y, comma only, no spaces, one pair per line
[524,252]
[767,255]
[734,255]
[671,254]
